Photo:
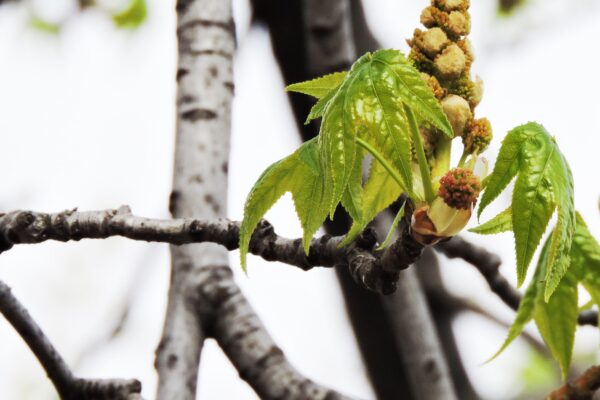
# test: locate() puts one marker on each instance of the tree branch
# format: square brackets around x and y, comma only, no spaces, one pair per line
[488,264]
[67,385]
[583,388]
[377,271]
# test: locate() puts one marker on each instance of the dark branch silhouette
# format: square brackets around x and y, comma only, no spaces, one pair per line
[67,385]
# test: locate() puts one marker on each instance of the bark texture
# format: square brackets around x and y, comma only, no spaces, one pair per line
[205,37]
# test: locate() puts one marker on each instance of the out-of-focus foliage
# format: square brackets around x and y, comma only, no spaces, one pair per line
[134,15]
[508,7]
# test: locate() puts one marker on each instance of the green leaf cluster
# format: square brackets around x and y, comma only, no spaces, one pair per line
[366,110]
[132,16]
[556,318]
[543,184]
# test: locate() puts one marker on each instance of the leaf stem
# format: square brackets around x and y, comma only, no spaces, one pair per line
[388,167]
[421,158]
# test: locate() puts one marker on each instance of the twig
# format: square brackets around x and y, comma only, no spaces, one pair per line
[377,271]
[583,388]
[67,385]
[488,264]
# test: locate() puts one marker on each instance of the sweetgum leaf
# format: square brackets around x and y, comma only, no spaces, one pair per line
[544,182]
[352,197]
[528,303]
[318,109]
[380,191]
[319,87]
[556,318]
[412,89]
[301,174]
[500,223]
[585,258]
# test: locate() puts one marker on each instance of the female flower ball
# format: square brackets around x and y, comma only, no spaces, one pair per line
[478,136]
[459,188]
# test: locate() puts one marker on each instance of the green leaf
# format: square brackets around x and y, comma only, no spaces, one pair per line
[352,197]
[379,192]
[412,89]
[132,16]
[585,259]
[390,235]
[318,109]
[500,223]
[337,138]
[528,303]
[319,87]
[302,175]
[544,181]
[556,319]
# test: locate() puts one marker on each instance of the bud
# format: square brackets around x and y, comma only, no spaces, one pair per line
[459,24]
[434,84]
[458,112]
[478,136]
[431,42]
[451,5]
[451,62]
[459,189]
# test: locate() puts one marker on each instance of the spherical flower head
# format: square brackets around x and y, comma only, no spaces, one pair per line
[478,136]
[459,188]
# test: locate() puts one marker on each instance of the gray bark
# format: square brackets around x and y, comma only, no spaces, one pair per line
[204,84]
[417,339]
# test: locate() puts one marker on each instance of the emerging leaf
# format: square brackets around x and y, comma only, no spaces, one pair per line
[500,223]
[380,191]
[527,305]
[544,182]
[556,318]
[319,87]
[301,174]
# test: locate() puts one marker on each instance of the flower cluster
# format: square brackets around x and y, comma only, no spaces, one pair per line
[459,188]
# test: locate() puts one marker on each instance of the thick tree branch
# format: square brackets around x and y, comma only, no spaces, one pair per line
[206,43]
[377,271]
[583,388]
[488,264]
[67,385]
[244,339]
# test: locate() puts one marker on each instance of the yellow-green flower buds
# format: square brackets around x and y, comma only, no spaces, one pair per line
[458,112]
[431,42]
[459,188]
[459,24]
[434,84]
[478,136]
[451,5]
[451,62]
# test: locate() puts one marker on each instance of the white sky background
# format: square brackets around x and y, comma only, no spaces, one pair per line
[87,120]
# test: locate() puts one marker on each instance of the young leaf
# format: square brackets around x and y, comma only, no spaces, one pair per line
[337,138]
[318,109]
[556,319]
[412,89]
[319,87]
[500,223]
[585,257]
[379,192]
[395,222]
[543,182]
[352,197]
[302,175]
[528,303]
